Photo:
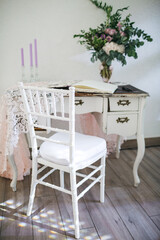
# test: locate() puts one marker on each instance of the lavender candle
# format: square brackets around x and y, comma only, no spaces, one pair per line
[35,49]
[22,57]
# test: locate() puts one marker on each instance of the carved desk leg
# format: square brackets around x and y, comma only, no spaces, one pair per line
[139,157]
[140,143]
[118,146]
[15,172]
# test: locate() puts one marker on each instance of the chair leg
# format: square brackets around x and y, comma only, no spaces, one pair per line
[33,187]
[75,202]
[102,182]
[61,178]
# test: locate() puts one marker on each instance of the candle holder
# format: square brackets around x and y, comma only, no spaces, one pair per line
[36,74]
[23,74]
[31,75]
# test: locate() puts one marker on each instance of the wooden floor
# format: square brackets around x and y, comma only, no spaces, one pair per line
[128,212]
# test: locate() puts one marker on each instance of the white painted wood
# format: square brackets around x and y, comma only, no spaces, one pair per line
[72,126]
[38,101]
[50,128]
[118,146]
[41,169]
[53,186]
[54,104]
[122,124]
[88,104]
[62,105]
[83,175]
[102,181]
[107,118]
[51,140]
[48,102]
[140,142]
[89,187]
[134,112]
[47,174]
[62,179]
[31,101]
[89,176]
[75,201]
[105,114]
[33,186]
[49,116]
[123,104]
[15,172]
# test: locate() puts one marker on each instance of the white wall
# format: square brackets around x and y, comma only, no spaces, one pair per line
[54,22]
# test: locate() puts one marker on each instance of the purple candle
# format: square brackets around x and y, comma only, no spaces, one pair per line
[22,57]
[35,49]
[31,56]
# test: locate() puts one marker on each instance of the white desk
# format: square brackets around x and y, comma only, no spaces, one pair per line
[121,113]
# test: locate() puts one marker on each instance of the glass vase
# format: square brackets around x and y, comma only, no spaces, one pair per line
[106,72]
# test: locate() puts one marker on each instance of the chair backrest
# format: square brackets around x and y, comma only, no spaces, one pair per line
[48,104]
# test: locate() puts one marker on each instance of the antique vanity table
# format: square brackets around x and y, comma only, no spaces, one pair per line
[121,114]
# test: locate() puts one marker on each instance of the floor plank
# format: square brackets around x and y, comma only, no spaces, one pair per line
[156,220]
[2,191]
[15,224]
[127,213]
[155,150]
[154,154]
[146,172]
[148,199]
[46,219]
[135,218]
[109,225]
[65,206]
[87,234]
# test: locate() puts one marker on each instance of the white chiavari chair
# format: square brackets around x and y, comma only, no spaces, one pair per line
[65,150]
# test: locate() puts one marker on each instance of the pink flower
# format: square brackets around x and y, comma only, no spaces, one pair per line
[107,30]
[122,34]
[119,25]
[112,32]
[109,38]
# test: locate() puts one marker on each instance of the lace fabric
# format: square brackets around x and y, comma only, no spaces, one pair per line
[12,141]
[16,119]
[13,125]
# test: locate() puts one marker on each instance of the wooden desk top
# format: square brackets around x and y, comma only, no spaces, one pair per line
[123,90]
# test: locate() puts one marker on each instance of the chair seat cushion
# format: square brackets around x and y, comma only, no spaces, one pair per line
[86,147]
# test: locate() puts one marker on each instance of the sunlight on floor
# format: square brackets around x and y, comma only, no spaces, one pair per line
[63,227]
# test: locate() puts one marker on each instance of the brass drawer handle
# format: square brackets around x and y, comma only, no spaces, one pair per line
[123,102]
[122,120]
[78,102]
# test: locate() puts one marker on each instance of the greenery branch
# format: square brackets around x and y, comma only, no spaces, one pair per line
[114,33]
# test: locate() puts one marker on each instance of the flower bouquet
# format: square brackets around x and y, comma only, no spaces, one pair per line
[116,38]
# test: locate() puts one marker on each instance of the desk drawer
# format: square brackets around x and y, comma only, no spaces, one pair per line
[88,104]
[123,104]
[122,124]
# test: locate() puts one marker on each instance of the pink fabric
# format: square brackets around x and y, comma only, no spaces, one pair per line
[21,158]
[3,135]
[91,124]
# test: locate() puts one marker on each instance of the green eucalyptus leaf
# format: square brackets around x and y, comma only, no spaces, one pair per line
[126,34]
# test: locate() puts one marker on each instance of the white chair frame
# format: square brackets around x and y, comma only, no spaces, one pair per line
[32,99]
